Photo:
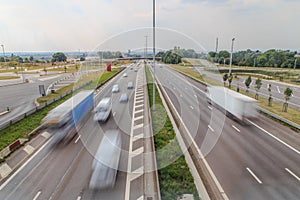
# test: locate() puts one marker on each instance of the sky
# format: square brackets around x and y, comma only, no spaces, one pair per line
[89,25]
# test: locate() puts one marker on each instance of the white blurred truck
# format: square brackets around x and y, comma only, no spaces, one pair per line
[235,104]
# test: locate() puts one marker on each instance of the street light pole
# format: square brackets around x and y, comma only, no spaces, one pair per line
[295,64]
[232,41]
[3,54]
[146,53]
[154,55]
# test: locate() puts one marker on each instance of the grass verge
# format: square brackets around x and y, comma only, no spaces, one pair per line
[22,128]
[9,77]
[175,178]
[94,77]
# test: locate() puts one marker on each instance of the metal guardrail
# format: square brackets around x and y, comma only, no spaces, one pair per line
[37,108]
[293,124]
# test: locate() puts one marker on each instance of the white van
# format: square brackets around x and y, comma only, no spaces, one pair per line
[103,110]
[106,161]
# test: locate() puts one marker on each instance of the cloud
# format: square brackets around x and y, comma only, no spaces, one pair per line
[34,25]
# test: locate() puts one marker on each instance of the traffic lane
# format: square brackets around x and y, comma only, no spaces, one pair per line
[77,182]
[245,156]
[48,191]
[283,132]
[41,172]
[277,87]
[81,171]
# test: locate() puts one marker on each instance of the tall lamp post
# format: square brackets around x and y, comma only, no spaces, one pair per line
[3,54]
[146,53]
[232,41]
[154,55]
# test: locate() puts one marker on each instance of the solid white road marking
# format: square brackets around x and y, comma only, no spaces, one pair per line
[77,139]
[238,130]
[37,195]
[195,96]
[278,89]
[294,175]
[211,128]
[141,197]
[276,138]
[256,178]
[14,174]
[210,107]
[114,113]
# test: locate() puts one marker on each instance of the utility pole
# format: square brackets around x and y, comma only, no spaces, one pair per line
[295,64]
[3,54]
[232,41]
[154,55]
[217,45]
[146,53]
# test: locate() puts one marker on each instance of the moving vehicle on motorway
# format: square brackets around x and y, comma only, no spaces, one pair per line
[235,104]
[103,110]
[125,75]
[123,98]
[130,85]
[115,88]
[69,115]
[106,162]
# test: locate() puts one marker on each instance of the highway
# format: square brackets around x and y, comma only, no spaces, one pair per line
[20,98]
[63,171]
[257,161]
[277,88]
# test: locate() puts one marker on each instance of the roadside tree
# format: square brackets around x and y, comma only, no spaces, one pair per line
[287,96]
[258,84]
[247,83]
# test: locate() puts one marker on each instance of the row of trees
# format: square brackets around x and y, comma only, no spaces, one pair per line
[270,58]
[258,83]
[19,59]
[56,57]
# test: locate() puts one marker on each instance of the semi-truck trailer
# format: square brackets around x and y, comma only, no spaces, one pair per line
[67,117]
[235,104]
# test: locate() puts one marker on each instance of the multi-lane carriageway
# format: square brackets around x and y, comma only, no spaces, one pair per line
[259,161]
[62,171]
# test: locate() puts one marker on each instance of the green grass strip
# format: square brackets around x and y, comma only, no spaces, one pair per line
[174,179]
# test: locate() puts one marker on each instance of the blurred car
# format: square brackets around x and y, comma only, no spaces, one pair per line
[103,110]
[106,161]
[123,98]
[125,75]
[135,70]
[115,88]
[130,85]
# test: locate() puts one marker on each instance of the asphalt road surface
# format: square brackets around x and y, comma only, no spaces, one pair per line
[257,161]
[277,88]
[63,171]
[20,98]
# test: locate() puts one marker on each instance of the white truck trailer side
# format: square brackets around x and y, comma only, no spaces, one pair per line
[236,104]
